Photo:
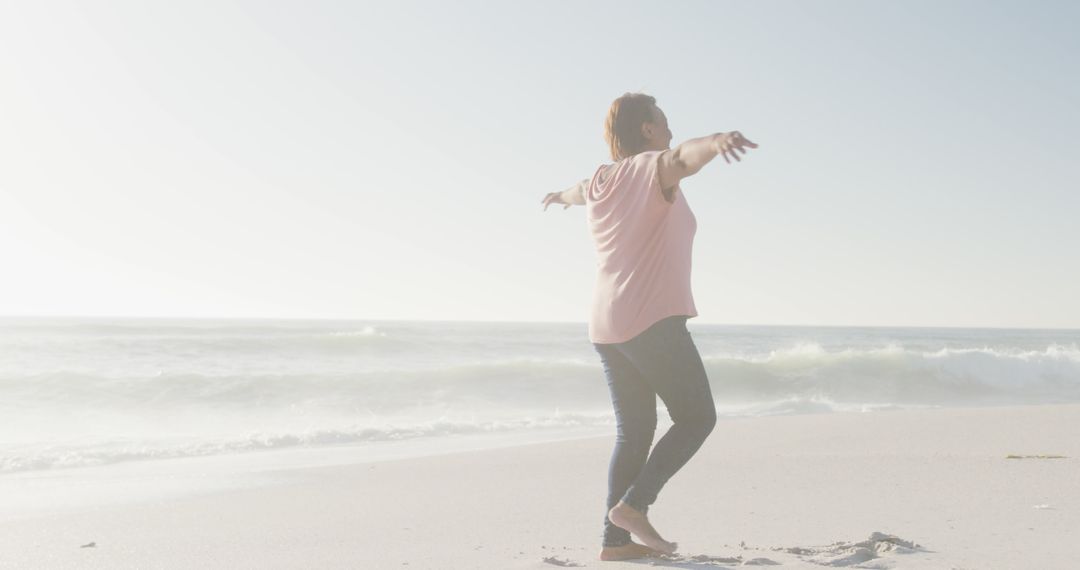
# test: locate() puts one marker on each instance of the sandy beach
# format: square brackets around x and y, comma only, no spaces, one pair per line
[794,491]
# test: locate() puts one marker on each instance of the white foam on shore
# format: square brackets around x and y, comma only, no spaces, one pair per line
[75,489]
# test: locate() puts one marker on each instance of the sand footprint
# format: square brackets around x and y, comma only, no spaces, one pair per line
[841,554]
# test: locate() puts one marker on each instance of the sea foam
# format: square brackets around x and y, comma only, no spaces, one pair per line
[86,392]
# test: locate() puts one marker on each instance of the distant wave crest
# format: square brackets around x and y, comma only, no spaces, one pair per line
[890,374]
[898,375]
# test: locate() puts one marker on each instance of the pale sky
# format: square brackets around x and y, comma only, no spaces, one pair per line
[386,160]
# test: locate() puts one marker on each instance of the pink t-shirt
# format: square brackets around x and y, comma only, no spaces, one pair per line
[643,245]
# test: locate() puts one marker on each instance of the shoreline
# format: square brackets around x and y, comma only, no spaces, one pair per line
[27,493]
[766,487]
[70,490]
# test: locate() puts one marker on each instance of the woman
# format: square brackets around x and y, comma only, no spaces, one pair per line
[643,230]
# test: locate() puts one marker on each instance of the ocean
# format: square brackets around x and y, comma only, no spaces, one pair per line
[96,391]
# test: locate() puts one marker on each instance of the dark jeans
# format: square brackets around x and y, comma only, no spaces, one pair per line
[660,361]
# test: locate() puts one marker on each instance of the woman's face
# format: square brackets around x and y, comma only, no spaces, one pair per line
[656,132]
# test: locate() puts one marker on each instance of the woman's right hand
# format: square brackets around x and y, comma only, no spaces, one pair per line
[732,143]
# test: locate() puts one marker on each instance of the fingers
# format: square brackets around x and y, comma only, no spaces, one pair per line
[554,198]
[733,144]
[549,199]
[727,149]
[740,140]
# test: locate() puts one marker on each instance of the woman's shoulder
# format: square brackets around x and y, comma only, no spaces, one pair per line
[604,172]
[637,162]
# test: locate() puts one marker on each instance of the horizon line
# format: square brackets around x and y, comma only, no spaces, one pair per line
[483,321]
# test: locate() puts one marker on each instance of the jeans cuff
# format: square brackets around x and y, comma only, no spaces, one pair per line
[634,503]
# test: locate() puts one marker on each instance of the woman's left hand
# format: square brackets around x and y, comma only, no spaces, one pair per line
[555,198]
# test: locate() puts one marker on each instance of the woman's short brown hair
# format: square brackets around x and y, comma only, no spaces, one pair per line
[622,129]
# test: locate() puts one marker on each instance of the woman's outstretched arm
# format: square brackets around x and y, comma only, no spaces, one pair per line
[689,157]
[574,195]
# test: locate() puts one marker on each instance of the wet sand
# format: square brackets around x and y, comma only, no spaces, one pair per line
[904,489]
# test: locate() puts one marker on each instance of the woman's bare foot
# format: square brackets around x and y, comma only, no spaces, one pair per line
[626,517]
[627,552]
